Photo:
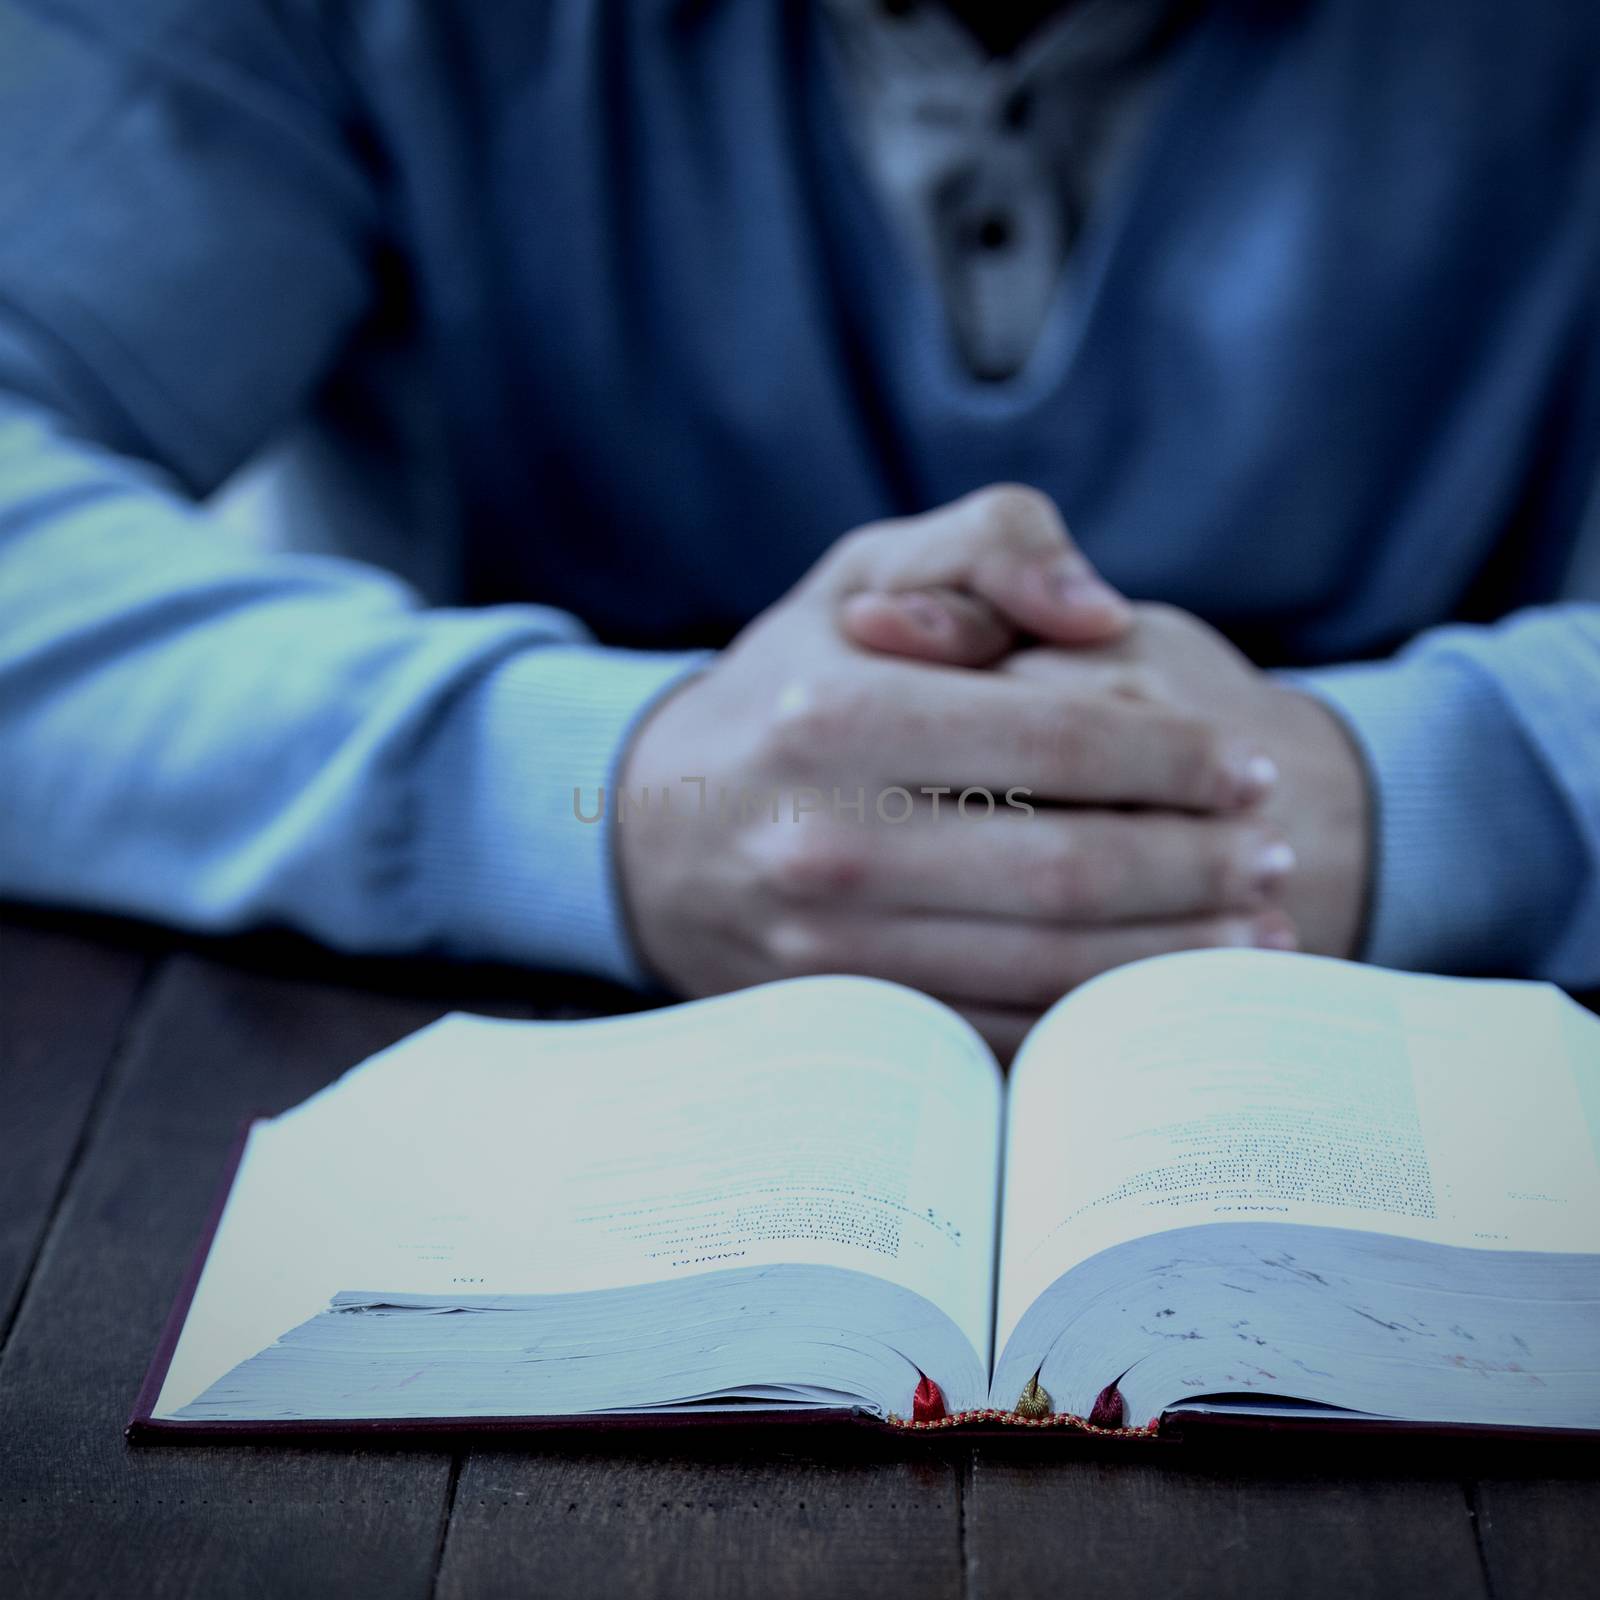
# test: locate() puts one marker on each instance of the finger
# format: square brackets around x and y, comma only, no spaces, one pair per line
[936,624]
[1115,669]
[995,963]
[919,726]
[1066,866]
[1006,545]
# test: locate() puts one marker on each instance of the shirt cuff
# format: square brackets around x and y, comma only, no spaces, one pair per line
[1471,848]
[506,869]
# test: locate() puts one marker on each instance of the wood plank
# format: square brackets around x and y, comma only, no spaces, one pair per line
[82,1513]
[85,1513]
[1125,1528]
[837,1518]
[1540,1536]
[63,1002]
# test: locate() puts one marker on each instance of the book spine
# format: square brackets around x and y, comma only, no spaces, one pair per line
[1015,1419]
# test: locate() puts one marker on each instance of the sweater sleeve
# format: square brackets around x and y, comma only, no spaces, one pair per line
[191,730]
[1483,745]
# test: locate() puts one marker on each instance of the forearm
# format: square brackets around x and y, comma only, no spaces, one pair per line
[218,738]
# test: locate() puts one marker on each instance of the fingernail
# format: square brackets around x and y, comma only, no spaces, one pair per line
[927,615]
[1271,866]
[1274,931]
[1250,774]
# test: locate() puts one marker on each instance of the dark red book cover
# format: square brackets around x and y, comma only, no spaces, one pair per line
[924,1409]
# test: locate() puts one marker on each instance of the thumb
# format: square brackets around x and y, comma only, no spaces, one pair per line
[1004,549]
[933,624]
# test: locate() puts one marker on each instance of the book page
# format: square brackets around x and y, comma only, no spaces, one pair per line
[826,1121]
[1229,1085]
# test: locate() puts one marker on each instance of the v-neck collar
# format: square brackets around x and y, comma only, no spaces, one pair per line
[906,291]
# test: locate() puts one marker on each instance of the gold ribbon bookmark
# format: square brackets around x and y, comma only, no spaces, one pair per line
[1034,1401]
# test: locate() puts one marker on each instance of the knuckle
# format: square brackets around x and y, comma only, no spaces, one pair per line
[852,553]
[1198,775]
[812,865]
[1222,933]
[863,541]
[1081,880]
[795,948]
[1082,957]
[1224,882]
[809,716]
[1016,513]
[1158,616]
[1141,682]
[1067,745]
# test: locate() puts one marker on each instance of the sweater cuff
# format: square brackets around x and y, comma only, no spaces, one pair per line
[505,869]
[1470,854]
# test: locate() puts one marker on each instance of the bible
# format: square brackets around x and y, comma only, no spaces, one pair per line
[1218,1185]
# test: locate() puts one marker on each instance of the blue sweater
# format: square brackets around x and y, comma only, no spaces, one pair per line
[584,340]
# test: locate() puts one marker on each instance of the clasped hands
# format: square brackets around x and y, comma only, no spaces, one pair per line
[1164,793]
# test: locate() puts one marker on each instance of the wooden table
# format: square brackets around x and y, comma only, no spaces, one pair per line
[127,1063]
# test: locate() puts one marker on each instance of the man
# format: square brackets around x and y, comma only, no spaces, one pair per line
[607,321]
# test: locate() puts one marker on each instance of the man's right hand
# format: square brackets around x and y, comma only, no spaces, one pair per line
[1000,913]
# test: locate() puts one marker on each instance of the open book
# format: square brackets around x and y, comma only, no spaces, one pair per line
[1221,1182]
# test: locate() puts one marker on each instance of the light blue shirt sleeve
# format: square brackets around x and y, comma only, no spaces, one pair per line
[1483,745]
[191,730]
[202,734]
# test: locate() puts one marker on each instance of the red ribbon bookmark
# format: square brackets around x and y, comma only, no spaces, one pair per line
[1107,1410]
[927,1404]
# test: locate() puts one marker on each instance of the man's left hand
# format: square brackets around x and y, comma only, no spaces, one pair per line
[1321,803]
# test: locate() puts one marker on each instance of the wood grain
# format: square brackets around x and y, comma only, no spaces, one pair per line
[1128,1529]
[63,1003]
[86,1514]
[1540,1536]
[857,1518]
[127,1099]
